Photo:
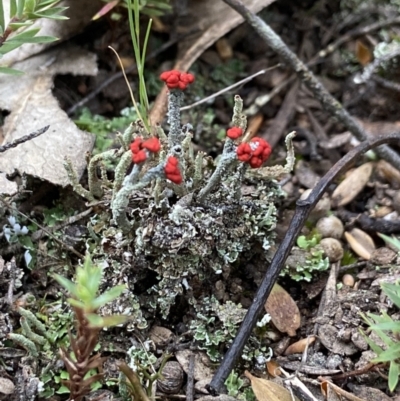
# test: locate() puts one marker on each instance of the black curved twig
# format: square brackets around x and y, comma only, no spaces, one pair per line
[303,209]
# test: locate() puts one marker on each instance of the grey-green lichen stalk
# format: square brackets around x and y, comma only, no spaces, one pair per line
[180,213]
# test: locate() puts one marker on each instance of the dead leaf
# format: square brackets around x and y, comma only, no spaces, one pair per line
[254,124]
[285,314]
[299,346]
[363,54]
[206,16]
[267,390]
[352,185]
[388,172]
[32,105]
[360,242]
[224,49]
[273,368]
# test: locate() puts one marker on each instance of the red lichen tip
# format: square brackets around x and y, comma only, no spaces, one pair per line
[172,171]
[139,148]
[176,79]
[152,144]
[234,133]
[255,153]
[139,157]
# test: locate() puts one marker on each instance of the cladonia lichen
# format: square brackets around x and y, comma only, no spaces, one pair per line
[177,212]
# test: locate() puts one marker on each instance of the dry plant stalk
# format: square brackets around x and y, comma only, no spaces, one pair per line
[79,362]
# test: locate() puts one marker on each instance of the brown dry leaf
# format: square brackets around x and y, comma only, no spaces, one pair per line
[254,124]
[273,368]
[352,185]
[213,19]
[388,172]
[267,390]
[363,54]
[224,49]
[333,393]
[32,105]
[299,346]
[283,310]
[360,242]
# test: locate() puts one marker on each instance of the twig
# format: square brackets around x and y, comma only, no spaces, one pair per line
[303,209]
[357,32]
[37,235]
[228,88]
[64,245]
[308,78]
[23,139]
[190,381]
[386,83]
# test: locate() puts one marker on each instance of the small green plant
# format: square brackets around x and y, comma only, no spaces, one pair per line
[383,325]
[387,329]
[14,28]
[102,126]
[306,259]
[307,243]
[152,8]
[233,384]
[81,365]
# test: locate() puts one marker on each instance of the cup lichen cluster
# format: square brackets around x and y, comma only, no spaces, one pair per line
[177,212]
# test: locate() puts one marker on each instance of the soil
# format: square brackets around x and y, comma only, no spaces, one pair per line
[344,284]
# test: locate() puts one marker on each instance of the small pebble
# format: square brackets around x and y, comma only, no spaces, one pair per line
[348,280]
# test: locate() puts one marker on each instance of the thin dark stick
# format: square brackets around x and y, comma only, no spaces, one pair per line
[190,382]
[303,208]
[23,139]
[308,78]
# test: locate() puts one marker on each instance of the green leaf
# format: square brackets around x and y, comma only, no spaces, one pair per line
[77,304]
[378,350]
[13,8]
[391,240]
[38,39]
[26,242]
[30,6]
[108,296]
[393,292]
[16,25]
[389,355]
[63,390]
[393,326]
[20,8]
[10,71]
[67,284]
[106,321]
[51,13]
[25,35]
[2,20]
[393,375]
